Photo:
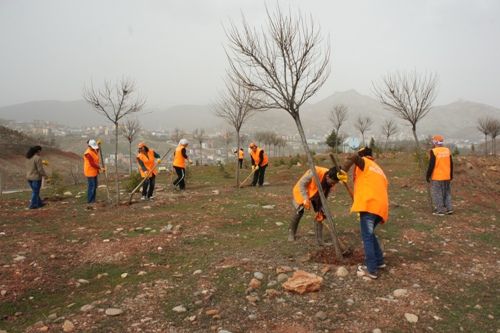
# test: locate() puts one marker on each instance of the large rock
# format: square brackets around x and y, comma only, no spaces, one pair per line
[342,272]
[254,284]
[411,317]
[302,282]
[113,312]
[68,326]
[282,277]
[258,275]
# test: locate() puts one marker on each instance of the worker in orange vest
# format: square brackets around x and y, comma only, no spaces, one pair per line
[241,155]
[440,175]
[146,159]
[259,164]
[371,201]
[91,169]
[305,195]
[179,163]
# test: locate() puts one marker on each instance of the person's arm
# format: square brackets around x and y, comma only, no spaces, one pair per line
[356,160]
[451,168]
[157,155]
[39,167]
[253,161]
[142,165]
[430,168]
[92,162]
[261,157]
[183,151]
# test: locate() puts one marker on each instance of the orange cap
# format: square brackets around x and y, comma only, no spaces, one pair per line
[141,145]
[252,145]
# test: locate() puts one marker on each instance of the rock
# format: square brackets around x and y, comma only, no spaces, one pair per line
[68,326]
[19,258]
[113,312]
[268,206]
[124,275]
[411,317]
[52,316]
[192,318]
[254,284]
[258,275]
[271,293]
[342,272]
[86,308]
[83,281]
[377,330]
[223,331]
[212,312]
[101,275]
[400,293]
[179,309]
[320,315]
[478,307]
[272,283]
[302,282]
[282,277]
[198,271]
[253,299]
[43,329]
[3,292]
[252,317]
[284,269]
[167,229]
[67,194]
[279,224]
[350,301]
[142,273]
[215,192]
[146,207]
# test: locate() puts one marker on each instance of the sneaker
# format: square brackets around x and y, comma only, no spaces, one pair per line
[143,198]
[382,266]
[364,271]
[439,214]
[449,212]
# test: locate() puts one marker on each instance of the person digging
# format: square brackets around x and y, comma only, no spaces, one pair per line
[305,195]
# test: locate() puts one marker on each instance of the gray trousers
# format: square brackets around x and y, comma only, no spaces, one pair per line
[441,195]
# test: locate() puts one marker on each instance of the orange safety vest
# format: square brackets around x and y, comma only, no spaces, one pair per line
[370,190]
[89,170]
[442,167]
[255,155]
[179,160]
[149,162]
[312,188]
[241,154]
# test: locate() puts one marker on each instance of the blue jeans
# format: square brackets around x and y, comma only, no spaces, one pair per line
[36,201]
[373,254]
[91,189]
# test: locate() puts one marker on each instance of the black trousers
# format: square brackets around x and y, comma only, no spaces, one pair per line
[148,186]
[240,161]
[258,176]
[181,175]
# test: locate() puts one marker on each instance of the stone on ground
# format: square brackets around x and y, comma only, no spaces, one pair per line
[411,317]
[113,312]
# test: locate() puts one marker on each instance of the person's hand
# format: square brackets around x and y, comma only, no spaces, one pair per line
[158,161]
[306,204]
[103,169]
[342,176]
[255,167]
[45,162]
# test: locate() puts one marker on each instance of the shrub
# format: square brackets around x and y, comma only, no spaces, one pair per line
[132,182]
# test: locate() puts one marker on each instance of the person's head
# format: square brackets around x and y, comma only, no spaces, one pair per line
[365,151]
[331,176]
[93,144]
[142,147]
[183,142]
[437,140]
[241,149]
[252,146]
[33,151]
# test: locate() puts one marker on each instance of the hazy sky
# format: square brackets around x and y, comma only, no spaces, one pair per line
[174,49]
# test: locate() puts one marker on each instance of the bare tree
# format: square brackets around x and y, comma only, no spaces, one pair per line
[494,130]
[114,102]
[410,96]
[199,136]
[234,106]
[285,65]
[130,129]
[483,125]
[389,128]
[338,117]
[176,135]
[363,125]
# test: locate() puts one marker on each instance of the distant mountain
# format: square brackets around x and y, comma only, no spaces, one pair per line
[456,120]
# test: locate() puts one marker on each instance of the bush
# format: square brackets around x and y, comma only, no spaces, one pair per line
[57,181]
[132,182]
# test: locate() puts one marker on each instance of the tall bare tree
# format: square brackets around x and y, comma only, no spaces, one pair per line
[389,128]
[114,101]
[338,116]
[130,129]
[234,106]
[494,130]
[363,125]
[285,64]
[199,136]
[483,127]
[410,96]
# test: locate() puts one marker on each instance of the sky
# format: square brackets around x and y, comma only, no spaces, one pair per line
[174,50]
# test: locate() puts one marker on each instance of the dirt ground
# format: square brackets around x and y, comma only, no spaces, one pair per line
[184,262]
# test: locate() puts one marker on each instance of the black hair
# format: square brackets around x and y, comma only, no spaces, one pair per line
[332,173]
[366,151]
[32,151]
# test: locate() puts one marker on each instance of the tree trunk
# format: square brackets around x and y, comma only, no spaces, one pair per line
[324,203]
[417,147]
[385,144]
[485,145]
[117,179]
[237,159]
[130,157]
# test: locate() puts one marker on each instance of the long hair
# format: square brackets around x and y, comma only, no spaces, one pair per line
[32,151]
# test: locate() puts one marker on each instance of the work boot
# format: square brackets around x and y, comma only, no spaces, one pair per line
[294,224]
[318,229]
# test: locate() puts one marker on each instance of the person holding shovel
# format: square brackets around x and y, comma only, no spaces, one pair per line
[259,164]
[179,164]
[440,175]
[146,160]
[370,200]
[305,195]
[91,169]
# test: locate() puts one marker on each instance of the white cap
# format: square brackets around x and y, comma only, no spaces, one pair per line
[92,144]
[183,142]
